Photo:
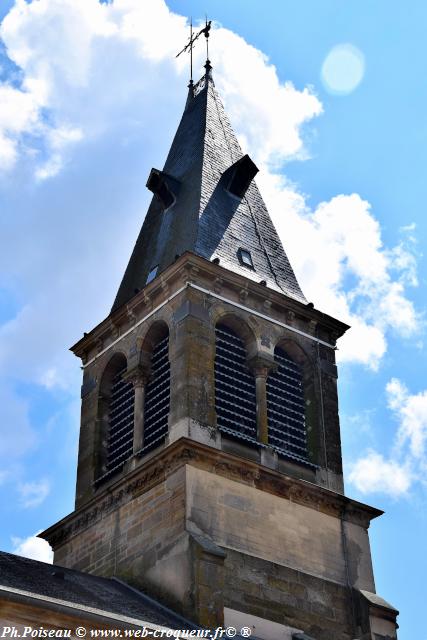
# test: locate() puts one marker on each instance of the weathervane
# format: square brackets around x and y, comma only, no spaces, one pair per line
[190,44]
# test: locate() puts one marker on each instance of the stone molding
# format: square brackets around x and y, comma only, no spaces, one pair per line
[185,270]
[185,451]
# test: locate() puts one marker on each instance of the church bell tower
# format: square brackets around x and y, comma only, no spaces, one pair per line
[209,470]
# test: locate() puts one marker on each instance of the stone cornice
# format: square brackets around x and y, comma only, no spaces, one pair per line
[190,268]
[185,451]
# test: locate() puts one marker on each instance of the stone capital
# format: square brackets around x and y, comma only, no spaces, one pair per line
[262,364]
[138,376]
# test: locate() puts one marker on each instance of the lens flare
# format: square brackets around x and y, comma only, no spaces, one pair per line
[343,69]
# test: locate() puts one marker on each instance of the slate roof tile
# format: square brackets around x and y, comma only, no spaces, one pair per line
[206,219]
[81,589]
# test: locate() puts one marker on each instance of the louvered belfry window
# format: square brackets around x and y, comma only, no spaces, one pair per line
[235,391]
[286,408]
[120,422]
[157,397]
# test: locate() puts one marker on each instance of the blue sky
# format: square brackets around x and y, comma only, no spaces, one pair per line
[343,175]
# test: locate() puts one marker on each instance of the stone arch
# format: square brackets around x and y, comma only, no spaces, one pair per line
[295,350]
[115,413]
[238,323]
[117,359]
[304,370]
[155,332]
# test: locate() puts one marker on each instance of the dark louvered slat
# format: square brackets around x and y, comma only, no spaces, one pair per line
[120,423]
[157,397]
[235,394]
[286,410]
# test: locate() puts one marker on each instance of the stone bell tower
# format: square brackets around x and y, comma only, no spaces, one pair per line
[209,470]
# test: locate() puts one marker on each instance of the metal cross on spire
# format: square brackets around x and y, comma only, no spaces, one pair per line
[190,44]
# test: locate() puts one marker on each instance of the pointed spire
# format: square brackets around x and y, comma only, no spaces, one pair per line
[206,202]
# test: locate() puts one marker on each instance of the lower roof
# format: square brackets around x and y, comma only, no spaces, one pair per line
[75,592]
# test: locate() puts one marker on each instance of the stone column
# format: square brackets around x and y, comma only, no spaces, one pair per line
[192,354]
[139,378]
[261,366]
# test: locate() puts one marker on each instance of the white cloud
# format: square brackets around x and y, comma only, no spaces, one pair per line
[57,140]
[78,86]
[411,411]
[373,473]
[32,494]
[7,152]
[397,394]
[338,254]
[269,113]
[18,113]
[33,547]
[407,463]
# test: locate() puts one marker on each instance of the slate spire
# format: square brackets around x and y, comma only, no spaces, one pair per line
[206,201]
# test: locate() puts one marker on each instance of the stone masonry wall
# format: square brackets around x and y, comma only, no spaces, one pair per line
[240,517]
[323,609]
[143,541]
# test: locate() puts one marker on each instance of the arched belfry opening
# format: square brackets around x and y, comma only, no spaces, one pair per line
[117,417]
[235,390]
[286,407]
[157,391]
